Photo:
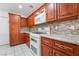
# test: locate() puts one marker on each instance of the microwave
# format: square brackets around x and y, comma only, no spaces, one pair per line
[41,18]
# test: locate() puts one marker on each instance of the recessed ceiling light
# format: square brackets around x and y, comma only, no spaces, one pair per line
[20,6]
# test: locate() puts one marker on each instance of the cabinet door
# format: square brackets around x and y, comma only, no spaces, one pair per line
[31,20]
[22,39]
[65,47]
[66,10]
[58,53]
[46,50]
[23,22]
[47,41]
[14,29]
[27,39]
[28,42]
[51,12]
[14,34]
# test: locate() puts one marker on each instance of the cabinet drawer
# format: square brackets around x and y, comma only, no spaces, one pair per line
[58,53]
[46,41]
[65,47]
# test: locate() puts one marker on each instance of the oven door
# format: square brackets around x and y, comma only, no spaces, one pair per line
[33,45]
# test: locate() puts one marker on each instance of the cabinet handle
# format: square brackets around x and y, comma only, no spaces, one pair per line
[61,46]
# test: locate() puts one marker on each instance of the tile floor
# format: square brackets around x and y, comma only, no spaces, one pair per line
[19,50]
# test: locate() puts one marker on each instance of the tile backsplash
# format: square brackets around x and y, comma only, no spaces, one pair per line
[70,27]
[24,29]
[45,28]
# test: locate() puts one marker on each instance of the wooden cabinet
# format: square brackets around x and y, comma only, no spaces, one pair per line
[14,21]
[30,21]
[66,48]
[22,38]
[27,39]
[66,10]
[46,46]
[56,12]
[55,47]
[51,12]
[23,22]
[46,50]
[46,41]
[58,53]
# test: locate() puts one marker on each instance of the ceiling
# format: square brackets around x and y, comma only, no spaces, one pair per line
[26,10]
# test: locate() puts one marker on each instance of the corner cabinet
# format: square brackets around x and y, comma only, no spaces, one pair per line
[27,39]
[22,37]
[30,21]
[66,10]
[51,12]
[23,22]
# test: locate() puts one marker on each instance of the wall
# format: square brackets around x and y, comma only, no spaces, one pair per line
[4,27]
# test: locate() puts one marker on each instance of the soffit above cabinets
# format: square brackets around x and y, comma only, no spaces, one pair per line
[26,10]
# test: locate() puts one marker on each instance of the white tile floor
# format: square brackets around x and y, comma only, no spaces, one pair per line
[19,50]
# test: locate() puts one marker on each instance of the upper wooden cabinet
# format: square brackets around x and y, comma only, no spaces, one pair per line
[23,22]
[55,12]
[51,12]
[30,20]
[66,10]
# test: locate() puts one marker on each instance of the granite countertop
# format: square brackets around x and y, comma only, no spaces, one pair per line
[63,38]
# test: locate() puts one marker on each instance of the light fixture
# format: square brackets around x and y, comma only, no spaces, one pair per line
[20,6]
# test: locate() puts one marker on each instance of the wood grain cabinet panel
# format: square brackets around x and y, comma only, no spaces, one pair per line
[58,48]
[14,21]
[58,53]
[65,47]
[22,37]
[46,50]
[31,21]
[46,41]
[27,39]
[51,12]
[23,22]
[66,10]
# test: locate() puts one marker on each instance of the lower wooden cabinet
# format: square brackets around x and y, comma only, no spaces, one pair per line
[65,47]
[46,50]
[58,48]
[27,39]
[58,53]
[22,39]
